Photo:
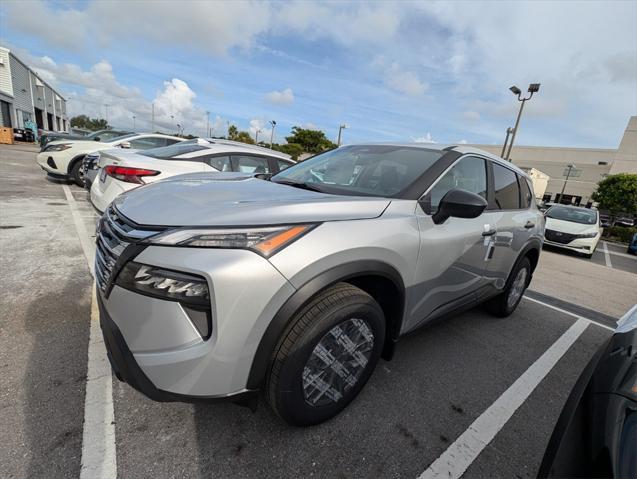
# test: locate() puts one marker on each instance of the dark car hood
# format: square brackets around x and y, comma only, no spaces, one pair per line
[234,199]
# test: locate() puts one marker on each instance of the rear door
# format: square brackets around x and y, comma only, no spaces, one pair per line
[517,219]
[453,255]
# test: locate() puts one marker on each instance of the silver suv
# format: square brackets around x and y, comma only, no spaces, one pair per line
[218,286]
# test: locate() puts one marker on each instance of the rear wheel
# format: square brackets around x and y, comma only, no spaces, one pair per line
[326,356]
[505,303]
[77,173]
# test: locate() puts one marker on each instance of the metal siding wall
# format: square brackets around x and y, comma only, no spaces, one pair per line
[21,88]
[38,94]
[5,73]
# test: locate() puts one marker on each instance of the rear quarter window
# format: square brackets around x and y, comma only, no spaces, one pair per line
[507,191]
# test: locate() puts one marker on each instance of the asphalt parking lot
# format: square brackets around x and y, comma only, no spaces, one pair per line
[411,417]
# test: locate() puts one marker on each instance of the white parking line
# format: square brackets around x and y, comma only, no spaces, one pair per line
[98,437]
[458,457]
[606,255]
[556,308]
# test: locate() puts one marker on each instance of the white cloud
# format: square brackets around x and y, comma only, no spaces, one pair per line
[462,142]
[263,127]
[282,98]
[397,78]
[425,139]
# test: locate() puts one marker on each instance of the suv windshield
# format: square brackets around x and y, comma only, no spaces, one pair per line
[167,152]
[120,138]
[367,170]
[575,215]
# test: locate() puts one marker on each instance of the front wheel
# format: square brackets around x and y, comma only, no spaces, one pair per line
[77,174]
[326,356]
[505,303]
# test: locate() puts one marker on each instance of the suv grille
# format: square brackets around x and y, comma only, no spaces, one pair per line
[114,234]
[559,237]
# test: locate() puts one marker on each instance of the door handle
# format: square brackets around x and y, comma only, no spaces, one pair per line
[489,232]
[529,224]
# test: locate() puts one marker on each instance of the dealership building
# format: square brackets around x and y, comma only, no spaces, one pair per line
[25,96]
[576,170]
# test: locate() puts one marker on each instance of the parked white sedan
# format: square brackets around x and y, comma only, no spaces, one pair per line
[121,170]
[573,228]
[63,158]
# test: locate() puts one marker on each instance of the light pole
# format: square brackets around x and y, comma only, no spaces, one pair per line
[506,141]
[207,123]
[273,123]
[256,135]
[178,128]
[172,122]
[340,129]
[533,88]
[134,122]
[570,167]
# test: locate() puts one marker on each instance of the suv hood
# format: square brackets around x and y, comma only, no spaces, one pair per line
[236,199]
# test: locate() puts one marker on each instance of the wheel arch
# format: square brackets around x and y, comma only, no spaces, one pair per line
[74,160]
[380,280]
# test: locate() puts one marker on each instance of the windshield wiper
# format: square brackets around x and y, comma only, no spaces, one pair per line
[299,184]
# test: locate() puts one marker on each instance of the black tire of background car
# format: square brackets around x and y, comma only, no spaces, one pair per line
[498,305]
[76,173]
[336,304]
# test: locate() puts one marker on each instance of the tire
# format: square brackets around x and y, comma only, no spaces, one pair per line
[77,175]
[292,394]
[504,303]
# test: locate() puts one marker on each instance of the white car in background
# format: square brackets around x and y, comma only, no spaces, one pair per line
[63,158]
[573,228]
[121,170]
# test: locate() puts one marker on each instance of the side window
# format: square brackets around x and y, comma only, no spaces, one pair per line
[147,143]
[470,174]
[283,164]
[170,141]
[221,163]
[250,164]
[525,192]
[507,191]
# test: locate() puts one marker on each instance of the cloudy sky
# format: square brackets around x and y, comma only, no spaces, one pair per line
[408,71]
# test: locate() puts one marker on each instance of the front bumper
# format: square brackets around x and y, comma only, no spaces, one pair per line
[154,346]
[581,245]
[127,370]
[49,164]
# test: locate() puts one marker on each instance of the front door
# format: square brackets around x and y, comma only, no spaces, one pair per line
[453,255]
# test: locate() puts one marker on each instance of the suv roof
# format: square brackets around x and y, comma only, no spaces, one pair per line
[216,143]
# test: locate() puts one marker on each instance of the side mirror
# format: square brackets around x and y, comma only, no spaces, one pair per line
[459,204]
[124,144]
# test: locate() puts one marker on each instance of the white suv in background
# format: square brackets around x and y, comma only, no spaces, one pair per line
[63,158]
[121,170]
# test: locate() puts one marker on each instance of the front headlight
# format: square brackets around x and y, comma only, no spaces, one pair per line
[265,241]
[588,235]
[61,147]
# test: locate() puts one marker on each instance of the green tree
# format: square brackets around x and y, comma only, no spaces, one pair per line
[233,132]
[293,149]
[312,141]
[244,137]
[94,124]
[617,193]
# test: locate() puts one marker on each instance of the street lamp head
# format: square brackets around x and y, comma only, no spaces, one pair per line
[272,122]
[534,87]
[515,90]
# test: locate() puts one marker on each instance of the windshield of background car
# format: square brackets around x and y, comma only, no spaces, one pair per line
[120,138]
[367,170]
[172,151]
[575,215]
